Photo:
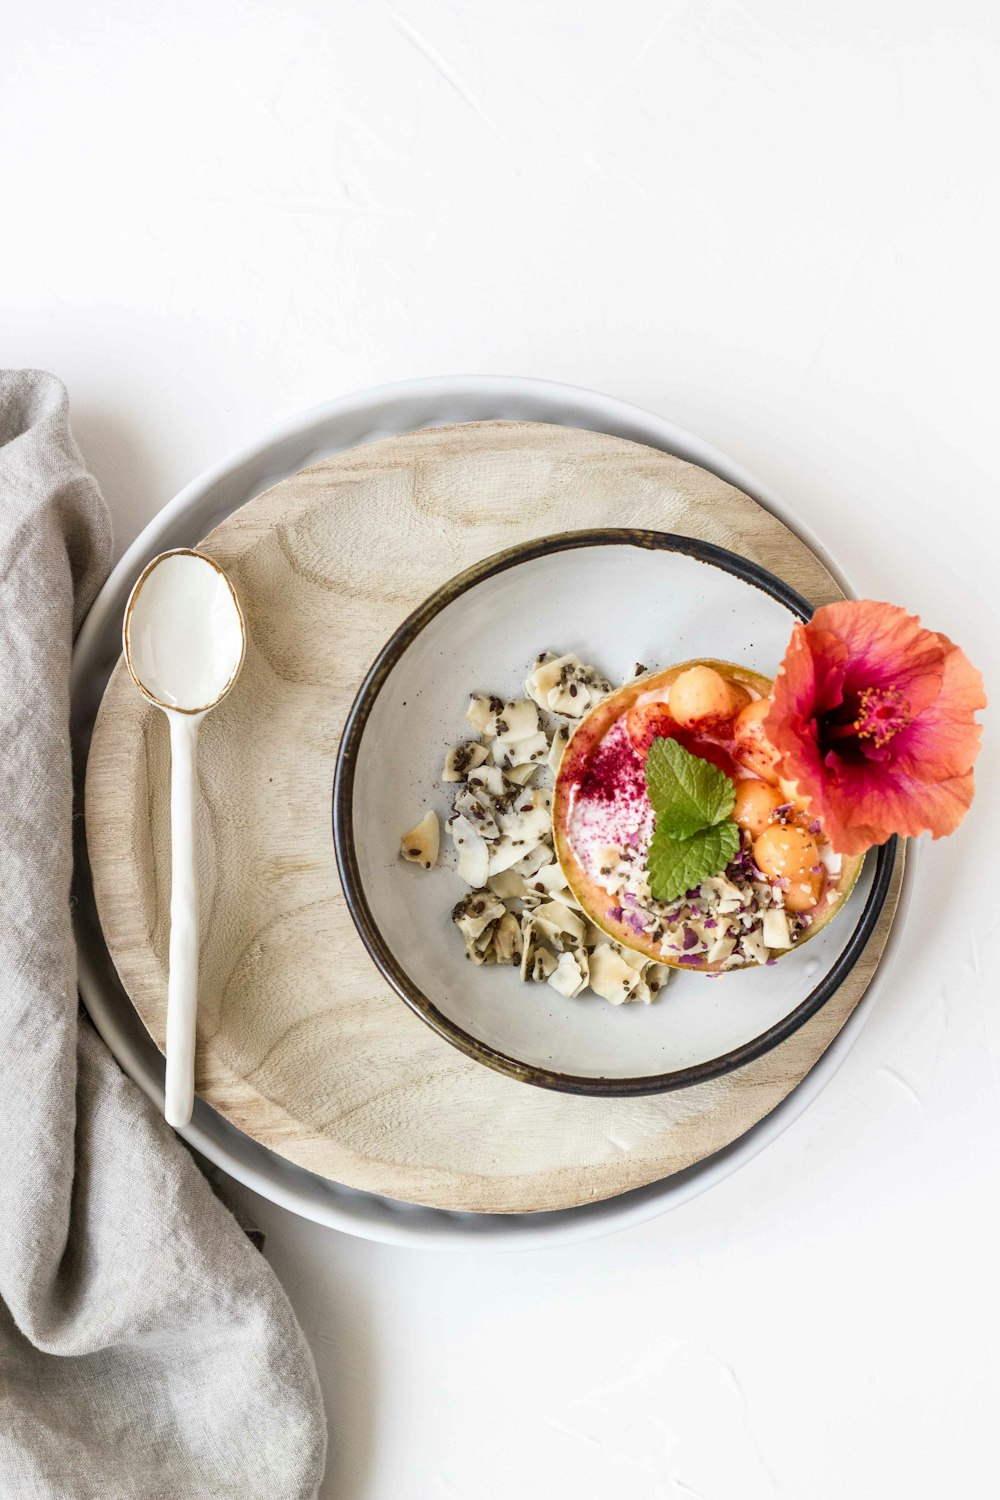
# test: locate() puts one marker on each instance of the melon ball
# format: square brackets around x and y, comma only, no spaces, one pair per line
[702,699]
[786,852]
[755,802]
[803,894]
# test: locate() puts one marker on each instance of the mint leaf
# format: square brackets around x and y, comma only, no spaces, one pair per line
[675,865]
[687,793]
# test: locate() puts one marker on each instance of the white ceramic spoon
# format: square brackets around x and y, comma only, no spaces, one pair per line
[184,640]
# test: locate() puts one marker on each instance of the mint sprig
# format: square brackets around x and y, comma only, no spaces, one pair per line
[675,865]
[694,836]
[687,793]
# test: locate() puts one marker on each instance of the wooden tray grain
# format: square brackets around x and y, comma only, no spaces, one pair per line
[301,1044]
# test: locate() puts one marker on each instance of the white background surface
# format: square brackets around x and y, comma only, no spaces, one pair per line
[775,222]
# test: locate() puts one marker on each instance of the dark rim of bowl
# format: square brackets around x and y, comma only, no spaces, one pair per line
[347,861]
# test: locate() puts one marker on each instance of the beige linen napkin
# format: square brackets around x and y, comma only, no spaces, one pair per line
[146,1348]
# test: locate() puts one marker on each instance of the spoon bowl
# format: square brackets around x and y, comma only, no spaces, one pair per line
[184,634]
[184,639]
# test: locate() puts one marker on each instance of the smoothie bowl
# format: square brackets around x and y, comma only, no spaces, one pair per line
[779,881]
[495,831]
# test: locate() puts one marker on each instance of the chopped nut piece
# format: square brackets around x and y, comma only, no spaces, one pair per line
[570,699]
[774,929]
[559,925]
[551,878]
[508,943]
[504,855]
[479,812]
[488,779]
[611,977]
[477,916]
[508,885]
[720,950]
[520,775]
[544,677]
[656,976]
[422,844]
[534,861]
[463,759]
[542,965]
[571,974]
[515,721]
[537,963]
[754,947]
[528,819]
[473,851]
[479,713]
[510,753]
[631,956]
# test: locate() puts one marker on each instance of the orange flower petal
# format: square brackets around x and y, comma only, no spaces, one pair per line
[857,816]
[886,646]
[944,739]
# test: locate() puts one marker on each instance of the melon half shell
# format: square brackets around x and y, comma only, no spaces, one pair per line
[595,901]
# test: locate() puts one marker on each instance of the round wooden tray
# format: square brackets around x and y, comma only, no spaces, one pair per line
[301,1044]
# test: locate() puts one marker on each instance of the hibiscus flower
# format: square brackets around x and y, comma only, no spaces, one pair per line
[873,718]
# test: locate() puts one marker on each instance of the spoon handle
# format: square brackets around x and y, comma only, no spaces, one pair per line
[182,983]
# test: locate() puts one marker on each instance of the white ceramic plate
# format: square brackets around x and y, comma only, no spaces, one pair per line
[304,440]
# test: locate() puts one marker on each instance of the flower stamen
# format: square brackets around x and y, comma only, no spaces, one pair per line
[882,713]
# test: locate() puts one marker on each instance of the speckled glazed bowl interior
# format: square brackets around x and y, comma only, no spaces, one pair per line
[614,598]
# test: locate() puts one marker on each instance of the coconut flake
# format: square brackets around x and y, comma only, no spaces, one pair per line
[422,844]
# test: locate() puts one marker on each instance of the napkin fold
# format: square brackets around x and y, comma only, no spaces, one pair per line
[146,1348]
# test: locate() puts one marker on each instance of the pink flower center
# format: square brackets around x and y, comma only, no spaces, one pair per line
[882,713]
[864,722]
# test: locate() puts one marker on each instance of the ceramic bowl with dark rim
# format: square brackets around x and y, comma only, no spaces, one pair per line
[613,597]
